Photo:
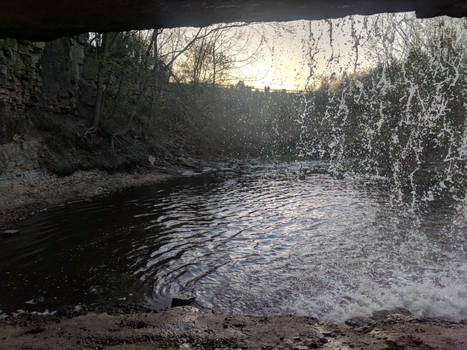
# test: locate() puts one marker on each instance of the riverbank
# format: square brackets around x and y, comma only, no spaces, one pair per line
[22,197]
[189,328]
[23,194]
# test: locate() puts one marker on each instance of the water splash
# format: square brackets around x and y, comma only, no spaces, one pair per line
[402,119]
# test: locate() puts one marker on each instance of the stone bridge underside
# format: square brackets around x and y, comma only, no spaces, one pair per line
[49,19]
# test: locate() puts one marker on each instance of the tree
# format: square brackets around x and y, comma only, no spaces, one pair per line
[211,54]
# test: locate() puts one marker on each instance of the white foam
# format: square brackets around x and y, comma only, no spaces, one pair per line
[446,299]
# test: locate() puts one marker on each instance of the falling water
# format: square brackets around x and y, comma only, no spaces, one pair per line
[403,116]
[383,228]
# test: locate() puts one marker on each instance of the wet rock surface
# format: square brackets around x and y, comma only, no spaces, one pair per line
[188,328]
[49,20]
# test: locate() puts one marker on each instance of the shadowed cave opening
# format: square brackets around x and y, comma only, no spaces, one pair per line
[324,167]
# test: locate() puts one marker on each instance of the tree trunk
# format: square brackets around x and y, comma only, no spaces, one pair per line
[101,83]
[214,64]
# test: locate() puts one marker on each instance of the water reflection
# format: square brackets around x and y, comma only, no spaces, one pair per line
[263,242]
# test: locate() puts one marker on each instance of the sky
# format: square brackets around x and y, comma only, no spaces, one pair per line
[286,60]
[293,55]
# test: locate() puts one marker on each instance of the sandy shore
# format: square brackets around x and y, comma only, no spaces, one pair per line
[188,328]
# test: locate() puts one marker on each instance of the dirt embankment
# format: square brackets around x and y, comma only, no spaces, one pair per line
[188,328]
[21,197]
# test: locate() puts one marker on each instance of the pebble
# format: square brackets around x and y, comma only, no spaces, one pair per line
[357,322]
[8,233]
[11,232]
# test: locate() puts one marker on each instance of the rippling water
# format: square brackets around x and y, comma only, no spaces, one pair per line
[270,240]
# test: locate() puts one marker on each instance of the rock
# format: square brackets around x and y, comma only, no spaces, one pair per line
[2,315]
[357,322]
[183,299]
[151,160]
[384,314]
[182,302]
[401,311]
[9,233]
[380,315]
[188,162]
[208,170]
[190,173]
[334,334]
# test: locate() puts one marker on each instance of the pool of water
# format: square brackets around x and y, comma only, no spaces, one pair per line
[267,240]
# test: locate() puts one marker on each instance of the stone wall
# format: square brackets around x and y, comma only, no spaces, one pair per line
[37,80]
[20,80]
[62,64]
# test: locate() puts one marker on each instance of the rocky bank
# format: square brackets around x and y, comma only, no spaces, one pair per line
[24,195]
[188,328]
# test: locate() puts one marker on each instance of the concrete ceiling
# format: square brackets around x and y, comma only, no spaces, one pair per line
[49,19]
